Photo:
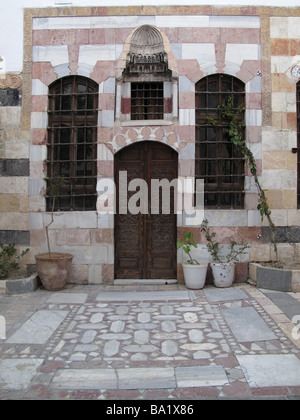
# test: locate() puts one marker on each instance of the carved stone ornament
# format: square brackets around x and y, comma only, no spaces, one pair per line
[10,81]
[295,72]
[146,53]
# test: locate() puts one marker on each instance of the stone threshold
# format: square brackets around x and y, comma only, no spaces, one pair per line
[145,282]
[139,378]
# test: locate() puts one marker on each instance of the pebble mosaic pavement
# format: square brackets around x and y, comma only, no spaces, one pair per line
[161,348]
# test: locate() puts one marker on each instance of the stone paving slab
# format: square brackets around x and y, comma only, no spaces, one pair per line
[140,378]
[68,298]
[39,328]
[141,344]
[220,295]
[17,373]
[247,325]
[271,369]
[143,296]
[289,306]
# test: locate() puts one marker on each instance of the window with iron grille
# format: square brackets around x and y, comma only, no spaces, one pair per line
[147,101]
[298,142]
[217,160]
[72,142]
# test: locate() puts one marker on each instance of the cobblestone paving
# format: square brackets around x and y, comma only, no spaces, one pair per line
[160,348]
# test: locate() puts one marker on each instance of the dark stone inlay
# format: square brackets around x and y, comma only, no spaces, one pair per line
[10,97]
[18,237]
[14,167]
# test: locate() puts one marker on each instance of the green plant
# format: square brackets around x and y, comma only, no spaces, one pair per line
[231,118]
[186,244]
[215,249]
[9,259]
[53,188]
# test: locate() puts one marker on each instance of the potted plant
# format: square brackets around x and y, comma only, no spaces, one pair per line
[53,267]
[223,264]
[194,271]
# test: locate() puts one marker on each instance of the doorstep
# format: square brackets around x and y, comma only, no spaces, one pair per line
[123,282]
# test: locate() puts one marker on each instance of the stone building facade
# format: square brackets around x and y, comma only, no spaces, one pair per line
[110,53]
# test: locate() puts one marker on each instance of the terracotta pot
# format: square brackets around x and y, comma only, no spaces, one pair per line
[54,269]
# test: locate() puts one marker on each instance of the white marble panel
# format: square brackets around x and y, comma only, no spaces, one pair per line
[39,327]
[90,54]
[85,379]
[39,120]
[237,53]
[204,53]
[39,88]
[18,373]
[265,370]
[194,376]
[56,54]
[149,378]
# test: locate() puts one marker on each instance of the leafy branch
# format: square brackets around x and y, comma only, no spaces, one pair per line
[186,245]
[231,118]
[214,247]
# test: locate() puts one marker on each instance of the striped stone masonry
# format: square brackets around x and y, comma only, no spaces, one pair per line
[258,45]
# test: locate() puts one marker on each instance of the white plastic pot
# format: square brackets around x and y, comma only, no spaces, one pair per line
[223,274]
[195,275]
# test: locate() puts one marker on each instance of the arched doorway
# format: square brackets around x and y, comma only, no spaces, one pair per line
[145,243]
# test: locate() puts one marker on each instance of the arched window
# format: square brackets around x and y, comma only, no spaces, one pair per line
[72,142]
[298,142]
[218,161]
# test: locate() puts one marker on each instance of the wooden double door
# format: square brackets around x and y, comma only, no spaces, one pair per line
[145,243]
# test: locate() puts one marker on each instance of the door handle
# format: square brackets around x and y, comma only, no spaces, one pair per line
[295,149]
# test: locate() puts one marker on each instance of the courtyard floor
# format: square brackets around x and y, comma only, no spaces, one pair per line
[160,342]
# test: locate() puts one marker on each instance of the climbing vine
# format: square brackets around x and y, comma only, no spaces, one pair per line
[230,117]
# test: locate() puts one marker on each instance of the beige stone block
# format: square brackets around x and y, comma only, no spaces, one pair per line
[279,102]
[279,218]
[286,252]
[261,252]
[24,205]
[289,199]
[5,220]
[9,202]
[16,149]
[279,179]
[277,160]
[293,217]
[20,221]
[95,274]
[275,199]
[253,271]
[79,274]
[296,281]
[7,185]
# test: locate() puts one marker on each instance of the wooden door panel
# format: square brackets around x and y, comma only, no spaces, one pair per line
[145,244]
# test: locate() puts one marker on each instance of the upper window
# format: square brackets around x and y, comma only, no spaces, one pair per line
[218,161]
[147,101]
[72,142]
[147,84]
[298,141]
